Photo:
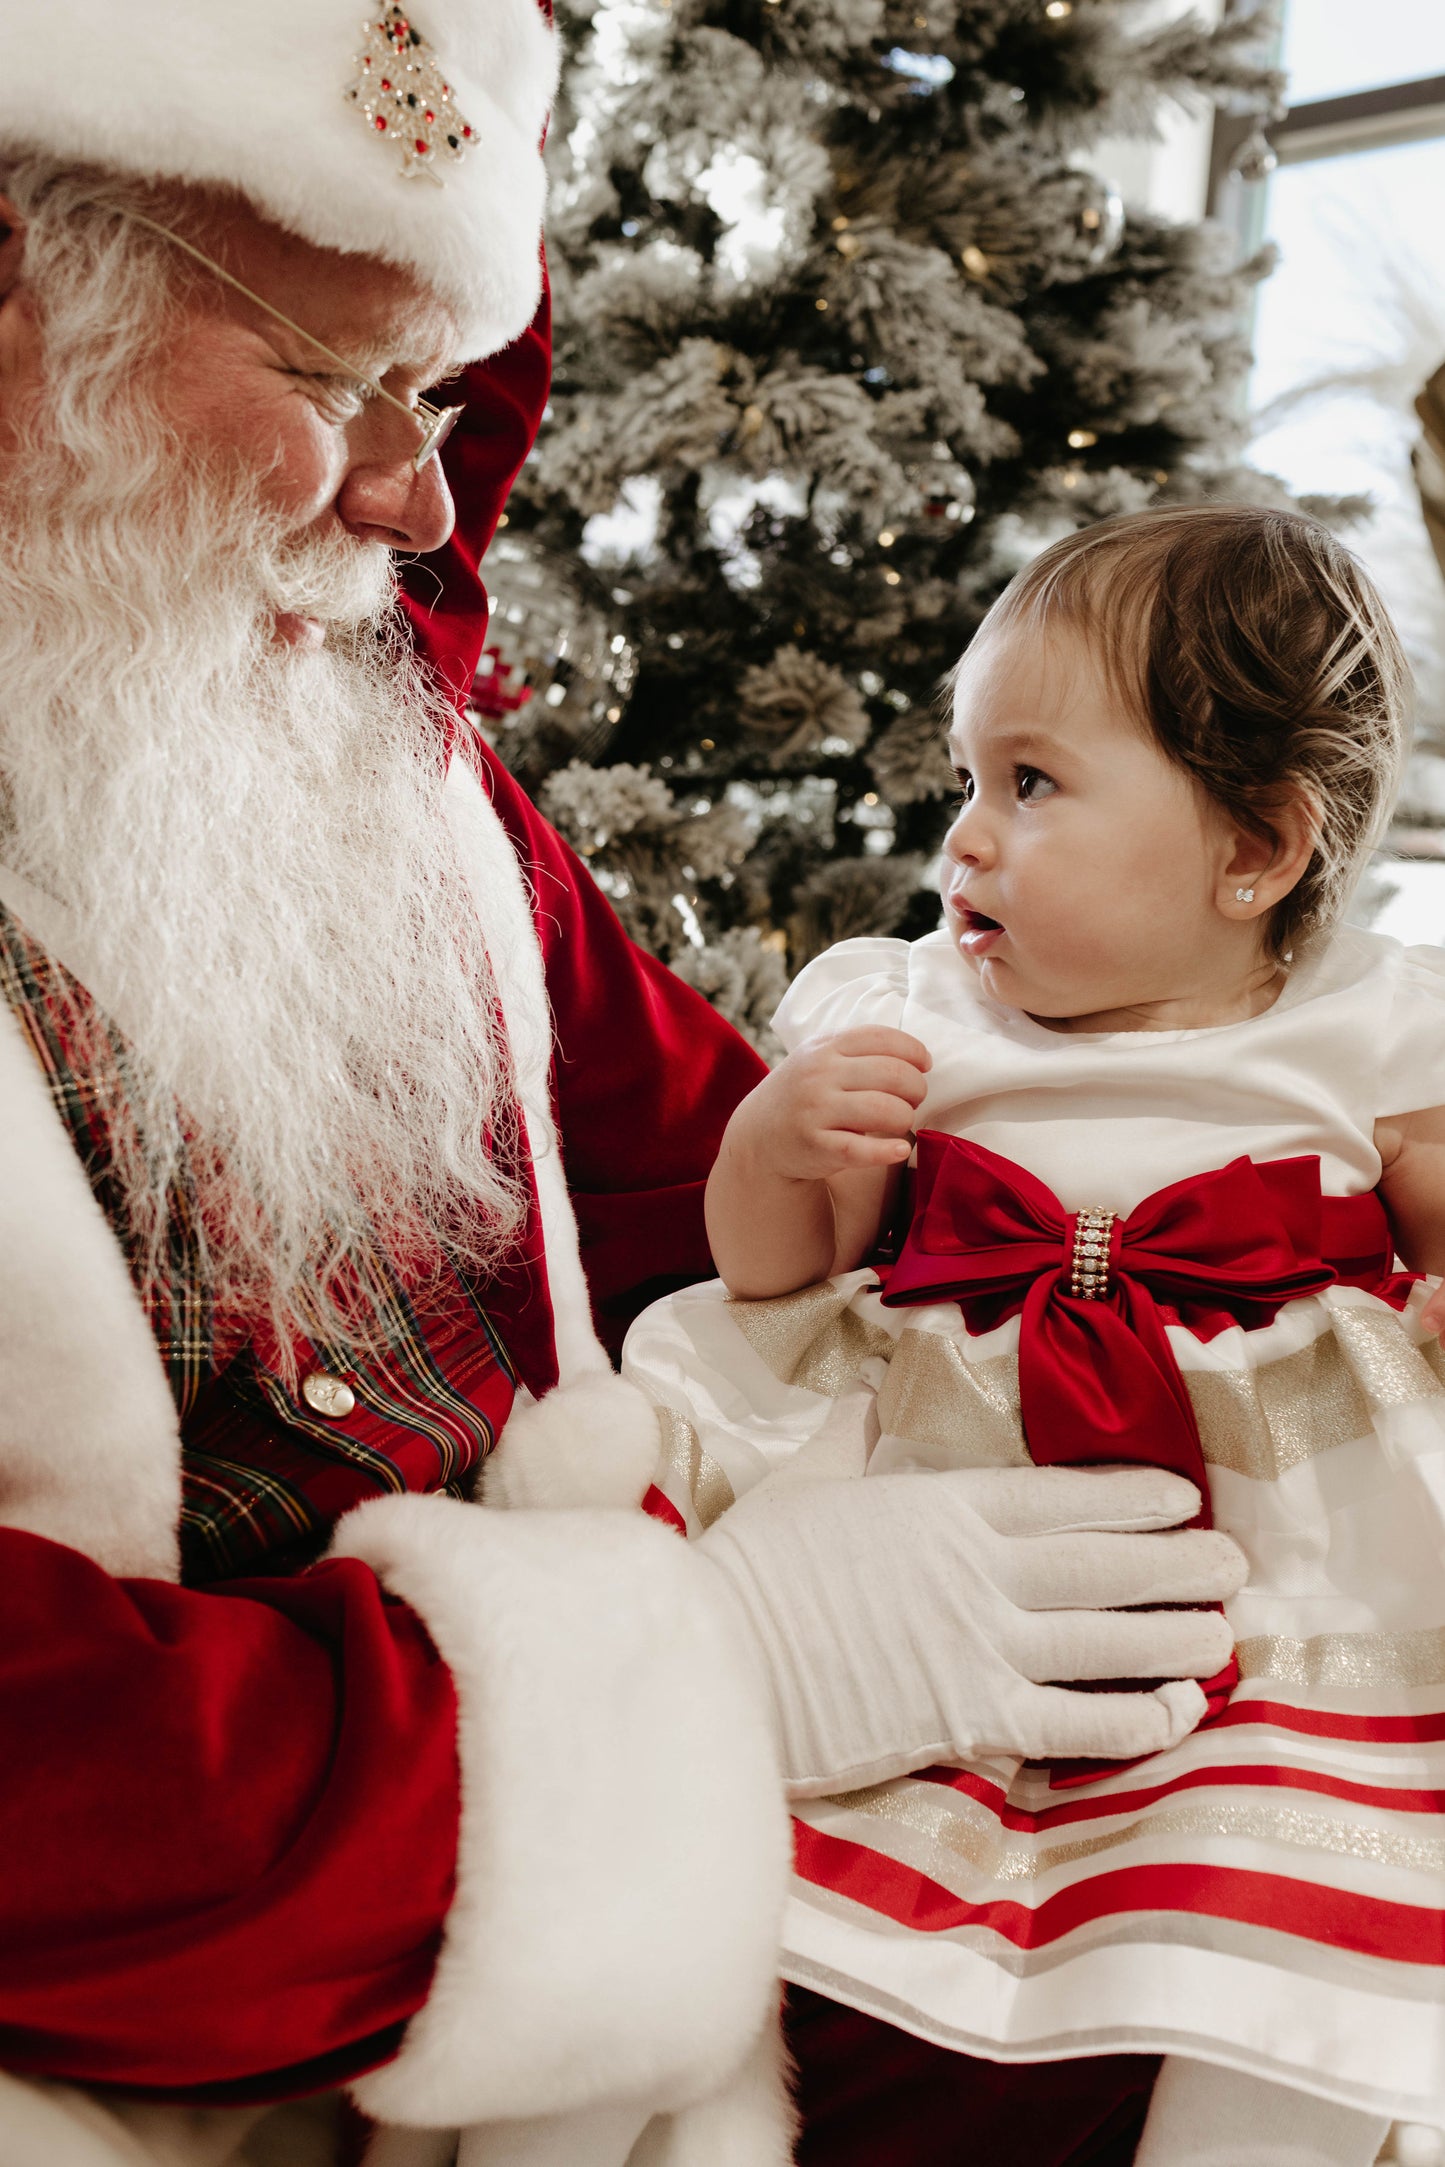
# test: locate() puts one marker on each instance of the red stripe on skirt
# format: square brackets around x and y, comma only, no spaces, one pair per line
[1426,1729]
[1244,1775]
[1403,1933]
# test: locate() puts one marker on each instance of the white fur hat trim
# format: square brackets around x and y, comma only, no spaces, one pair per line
[253,96]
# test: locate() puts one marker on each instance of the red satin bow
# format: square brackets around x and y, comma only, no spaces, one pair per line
[1097,1379]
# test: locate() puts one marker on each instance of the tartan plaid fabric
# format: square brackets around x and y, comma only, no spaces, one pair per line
[264,1475]
[90,1071]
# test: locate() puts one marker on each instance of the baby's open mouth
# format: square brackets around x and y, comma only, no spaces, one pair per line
[977,932]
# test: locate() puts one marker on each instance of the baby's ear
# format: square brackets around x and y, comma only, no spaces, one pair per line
[1264,865]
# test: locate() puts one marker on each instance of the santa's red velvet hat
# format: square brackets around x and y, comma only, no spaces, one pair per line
[412,135]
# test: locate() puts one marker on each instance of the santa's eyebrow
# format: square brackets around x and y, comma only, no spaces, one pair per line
[390,356]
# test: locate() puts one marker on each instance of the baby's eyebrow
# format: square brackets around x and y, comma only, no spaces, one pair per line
[1023,740]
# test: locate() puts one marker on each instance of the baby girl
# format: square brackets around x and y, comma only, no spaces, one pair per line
[1171,1125]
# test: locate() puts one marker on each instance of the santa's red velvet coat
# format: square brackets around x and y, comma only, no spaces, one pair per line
[483,1804]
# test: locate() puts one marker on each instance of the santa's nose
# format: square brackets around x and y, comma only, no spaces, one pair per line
[390,500]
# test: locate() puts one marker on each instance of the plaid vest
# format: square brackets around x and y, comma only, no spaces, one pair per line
[265,1474]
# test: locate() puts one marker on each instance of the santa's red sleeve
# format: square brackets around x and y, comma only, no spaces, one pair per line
[493,1789]
[227,1823]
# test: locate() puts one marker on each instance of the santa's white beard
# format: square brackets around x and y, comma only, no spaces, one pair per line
[248,839]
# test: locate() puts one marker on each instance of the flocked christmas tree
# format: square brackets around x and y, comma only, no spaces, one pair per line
[848,325]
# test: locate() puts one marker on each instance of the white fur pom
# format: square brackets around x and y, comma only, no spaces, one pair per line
[750,2122]
[595,1442]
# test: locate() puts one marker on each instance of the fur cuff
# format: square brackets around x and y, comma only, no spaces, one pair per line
[591,1443]
[624,1847]
[750,2123]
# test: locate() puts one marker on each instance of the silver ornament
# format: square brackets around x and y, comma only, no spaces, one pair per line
[1256,157]
[1101,222]
[558,669]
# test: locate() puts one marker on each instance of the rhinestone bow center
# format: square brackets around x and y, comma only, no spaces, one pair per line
[399,88]
[1089,1264]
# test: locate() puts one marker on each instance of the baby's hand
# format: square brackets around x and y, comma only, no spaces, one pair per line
[840,1102]
[1432,1316]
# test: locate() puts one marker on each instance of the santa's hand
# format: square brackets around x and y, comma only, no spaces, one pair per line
[917,1618]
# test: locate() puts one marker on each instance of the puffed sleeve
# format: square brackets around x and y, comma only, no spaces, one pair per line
[847,987]
[1412,1064]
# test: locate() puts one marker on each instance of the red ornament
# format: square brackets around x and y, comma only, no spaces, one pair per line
[501,687]
[385,84]
[381,120]
[423,150]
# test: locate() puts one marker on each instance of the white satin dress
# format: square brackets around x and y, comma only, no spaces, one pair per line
[1270,1894]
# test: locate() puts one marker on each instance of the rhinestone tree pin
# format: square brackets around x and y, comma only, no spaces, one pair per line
[399,87]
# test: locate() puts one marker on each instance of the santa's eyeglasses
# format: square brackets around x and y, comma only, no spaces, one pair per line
[435,422]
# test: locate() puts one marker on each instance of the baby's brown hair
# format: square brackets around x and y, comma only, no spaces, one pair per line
[1257,652]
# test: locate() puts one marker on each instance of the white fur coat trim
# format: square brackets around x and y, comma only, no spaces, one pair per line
[505,908]
[624,1845]
[594,1440]
[592,1443]
[253,98]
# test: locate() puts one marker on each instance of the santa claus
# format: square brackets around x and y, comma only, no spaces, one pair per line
[350,1801]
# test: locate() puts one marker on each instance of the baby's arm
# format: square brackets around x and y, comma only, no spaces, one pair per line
[810,1160]
[1412,1148]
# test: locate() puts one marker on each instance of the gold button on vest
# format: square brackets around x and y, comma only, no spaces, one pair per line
[328,1395]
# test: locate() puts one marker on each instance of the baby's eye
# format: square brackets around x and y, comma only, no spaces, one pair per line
[1032,785]
[964,781]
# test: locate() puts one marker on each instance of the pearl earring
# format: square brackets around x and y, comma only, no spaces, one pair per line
[1244,895]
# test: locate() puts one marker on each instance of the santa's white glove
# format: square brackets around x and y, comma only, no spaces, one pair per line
[916,1618]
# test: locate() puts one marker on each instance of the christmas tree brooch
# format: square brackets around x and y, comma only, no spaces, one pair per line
[400,89]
